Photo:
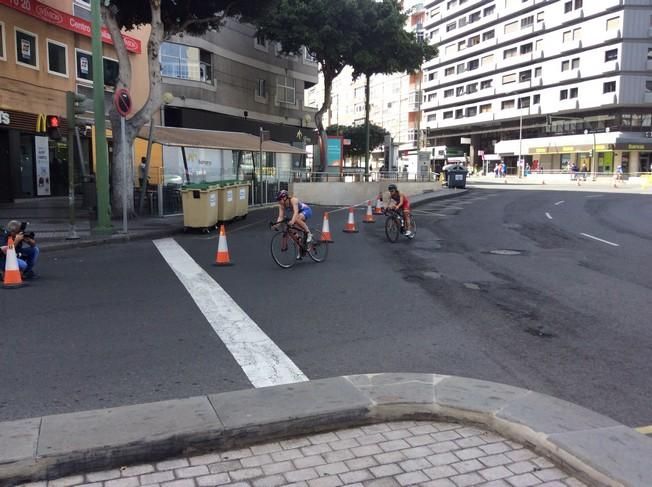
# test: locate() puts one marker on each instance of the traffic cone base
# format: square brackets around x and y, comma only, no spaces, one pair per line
[378,210]
[12,278]
[350,224]
[369,217]
[222,258]
[326,230]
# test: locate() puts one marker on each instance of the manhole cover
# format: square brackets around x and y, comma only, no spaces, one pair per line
[505,252]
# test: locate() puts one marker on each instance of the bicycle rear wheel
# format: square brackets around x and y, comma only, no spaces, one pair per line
[318,249]
[392,229]
[284,250]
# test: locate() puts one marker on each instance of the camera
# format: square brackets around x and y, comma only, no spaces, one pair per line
[23,226]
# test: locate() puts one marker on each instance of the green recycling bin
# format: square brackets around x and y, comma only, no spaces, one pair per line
[200,206]
[226,202]
[242,200]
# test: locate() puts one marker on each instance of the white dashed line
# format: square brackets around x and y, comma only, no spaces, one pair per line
[549,216]
[560,203]
[260,358]
[600,240]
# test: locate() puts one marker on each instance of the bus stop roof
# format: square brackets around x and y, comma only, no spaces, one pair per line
[214,139]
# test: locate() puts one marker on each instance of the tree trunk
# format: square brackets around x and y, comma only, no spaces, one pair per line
[329,76]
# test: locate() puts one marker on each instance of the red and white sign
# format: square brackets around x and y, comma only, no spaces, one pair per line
[66,21]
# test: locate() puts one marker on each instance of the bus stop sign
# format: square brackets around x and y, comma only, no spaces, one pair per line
[122,102]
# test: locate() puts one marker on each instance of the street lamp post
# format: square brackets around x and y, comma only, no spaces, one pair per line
[594,168]
[520,140]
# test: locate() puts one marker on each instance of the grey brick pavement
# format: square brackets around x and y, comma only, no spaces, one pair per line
[389,454]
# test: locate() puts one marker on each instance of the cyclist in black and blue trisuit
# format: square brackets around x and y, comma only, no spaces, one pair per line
[300,212]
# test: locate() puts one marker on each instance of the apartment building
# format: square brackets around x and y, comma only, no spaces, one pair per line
[554,81]
[45,51]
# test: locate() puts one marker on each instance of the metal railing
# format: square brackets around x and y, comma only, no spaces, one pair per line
[359,177]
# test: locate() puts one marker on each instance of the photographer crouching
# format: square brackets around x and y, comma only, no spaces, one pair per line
[25,245]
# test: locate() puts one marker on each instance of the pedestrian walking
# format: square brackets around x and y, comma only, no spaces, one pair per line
[619,173]
[584,171]
[503,169]
[142,169]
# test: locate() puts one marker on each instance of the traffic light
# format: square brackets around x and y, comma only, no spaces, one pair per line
[52,123]
[77,105]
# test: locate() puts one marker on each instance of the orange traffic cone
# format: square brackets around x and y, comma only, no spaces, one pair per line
[378,210]
[369,218]
[12,278]
[350,225]
[222,258]
[326,230]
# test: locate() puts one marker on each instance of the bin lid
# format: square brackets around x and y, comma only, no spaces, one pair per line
[198,186]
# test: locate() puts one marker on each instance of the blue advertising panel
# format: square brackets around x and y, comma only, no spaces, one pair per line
[334,152]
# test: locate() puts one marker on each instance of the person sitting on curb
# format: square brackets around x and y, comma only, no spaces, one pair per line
[25,245]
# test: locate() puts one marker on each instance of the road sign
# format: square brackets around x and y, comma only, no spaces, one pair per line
[122,102]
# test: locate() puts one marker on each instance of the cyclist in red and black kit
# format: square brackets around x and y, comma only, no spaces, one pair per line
[399,201]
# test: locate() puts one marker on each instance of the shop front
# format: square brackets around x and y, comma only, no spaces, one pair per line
[31,164]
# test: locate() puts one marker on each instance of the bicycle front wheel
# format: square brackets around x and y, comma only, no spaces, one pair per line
[284,250]
[392,229]
[318,249]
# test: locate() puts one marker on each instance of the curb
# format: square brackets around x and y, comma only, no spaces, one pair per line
[425,198]
[109,239]
[593,447]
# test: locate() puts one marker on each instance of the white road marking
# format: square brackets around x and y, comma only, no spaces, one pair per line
[549,216]
[600,240]
[560,203]
[594,196]
[261,360]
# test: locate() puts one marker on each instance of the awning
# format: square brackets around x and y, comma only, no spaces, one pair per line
[214,139]
[491,157]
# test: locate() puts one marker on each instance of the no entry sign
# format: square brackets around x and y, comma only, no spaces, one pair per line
[122,102]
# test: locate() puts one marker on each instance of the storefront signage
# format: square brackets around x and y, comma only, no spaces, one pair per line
[5,119]
[568,149]
[66,21]
[636,146]
[41,124]
[42,166]
[334,151]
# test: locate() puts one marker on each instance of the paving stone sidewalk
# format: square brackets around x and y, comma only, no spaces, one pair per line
[429,454]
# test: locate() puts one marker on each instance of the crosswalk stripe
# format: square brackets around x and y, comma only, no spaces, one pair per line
[259,357]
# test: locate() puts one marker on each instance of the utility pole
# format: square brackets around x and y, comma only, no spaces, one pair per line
[101,148]
[367,108]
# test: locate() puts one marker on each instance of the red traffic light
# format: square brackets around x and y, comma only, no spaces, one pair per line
[52,122]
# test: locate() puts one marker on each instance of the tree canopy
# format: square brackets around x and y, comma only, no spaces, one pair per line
[356,134]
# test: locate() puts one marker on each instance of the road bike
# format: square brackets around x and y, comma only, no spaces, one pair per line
[395,225]
[289,245]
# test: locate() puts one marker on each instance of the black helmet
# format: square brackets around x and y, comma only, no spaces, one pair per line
[392,187]
[282,194]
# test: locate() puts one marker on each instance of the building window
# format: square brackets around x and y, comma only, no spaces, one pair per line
[471,111]
[489,10]
[488,60]
[451,4]
[473,64]
[434,12]
[648,86]
[459,113]
[567,36]
[525,76]
[185,62]
[507,105]
[84,65]
[261,88]
[507,53]
[565,65]
[472,88]
[611,55]
[613,24]
[461,68]
[448,115]
[462,22]
[536,99]
[461,46]
[431,118]
[526,48]
[473,41]
[448,93]
[474,17]
[83,3]
[486,84]
[577,34]
[575,63]
[539,16]
[527,22]
[26,48]
[286,90]
[509,78]
[449,71]
[539,44]
[571,5]
[460,91]
[432,96]
[537,72]
[57,58]
[485,108]
[609,87]
[511,27]
[3,55]
[358,92]
[490,34]
[649,54]
[572,93]
[524,102]
[451,26]
[432,76]
[563,95]
[568,7]
[308,57]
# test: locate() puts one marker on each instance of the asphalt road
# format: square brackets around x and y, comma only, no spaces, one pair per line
[567,314]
